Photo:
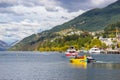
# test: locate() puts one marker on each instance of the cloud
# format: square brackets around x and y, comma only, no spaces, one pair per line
[34,19]
[101,3]
[17,31]
[75,5]
[70,5]
[42,15]
[7,3]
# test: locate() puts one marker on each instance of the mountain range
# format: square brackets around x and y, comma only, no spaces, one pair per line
[3,45]
[93,20]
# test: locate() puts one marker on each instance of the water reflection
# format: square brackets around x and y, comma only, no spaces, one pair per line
[103,71]
[106,65]
[82,65]
[96,65]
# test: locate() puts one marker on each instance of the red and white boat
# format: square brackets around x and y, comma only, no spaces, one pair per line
[71,52]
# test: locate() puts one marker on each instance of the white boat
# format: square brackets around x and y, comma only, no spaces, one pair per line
[71,52]
[94,50]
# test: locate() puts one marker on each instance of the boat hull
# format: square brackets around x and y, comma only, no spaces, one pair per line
[94,51]
[71,54]
[79,64]
[79,60]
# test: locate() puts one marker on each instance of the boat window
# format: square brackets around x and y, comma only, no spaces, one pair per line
[96,49]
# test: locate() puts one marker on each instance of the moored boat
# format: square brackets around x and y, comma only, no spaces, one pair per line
[71,52]
[94,50]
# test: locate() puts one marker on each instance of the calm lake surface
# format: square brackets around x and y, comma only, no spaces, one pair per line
[55,66]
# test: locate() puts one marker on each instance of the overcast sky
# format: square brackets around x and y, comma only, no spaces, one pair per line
[21,18]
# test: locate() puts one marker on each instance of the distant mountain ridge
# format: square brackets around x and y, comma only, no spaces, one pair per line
[92,20]
[3,45]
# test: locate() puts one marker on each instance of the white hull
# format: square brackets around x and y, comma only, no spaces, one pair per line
[94,51]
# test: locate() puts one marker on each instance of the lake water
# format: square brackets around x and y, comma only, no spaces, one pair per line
[55,66]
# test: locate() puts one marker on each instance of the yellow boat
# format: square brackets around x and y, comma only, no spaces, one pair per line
[82,65]
[79,60]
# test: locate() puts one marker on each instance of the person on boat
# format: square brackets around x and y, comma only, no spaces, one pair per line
[90,59]
[79,57]
[72,50]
